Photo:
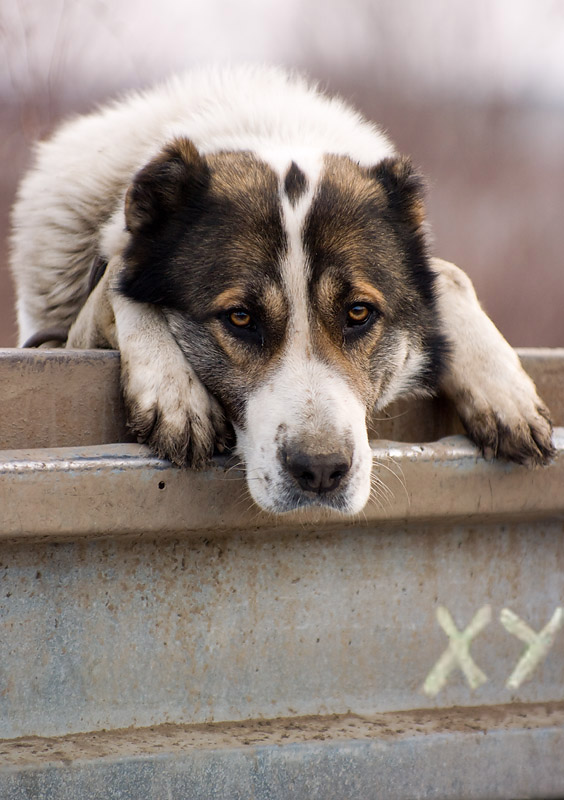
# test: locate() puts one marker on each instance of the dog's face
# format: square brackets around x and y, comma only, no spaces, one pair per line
[302,297]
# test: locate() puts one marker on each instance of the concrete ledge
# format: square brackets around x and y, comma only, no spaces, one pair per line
[121,489]
[80,475]
[58,398]
[497,752]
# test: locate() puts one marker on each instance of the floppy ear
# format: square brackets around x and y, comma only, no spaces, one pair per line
[167,193]
[178,174]
[404,188]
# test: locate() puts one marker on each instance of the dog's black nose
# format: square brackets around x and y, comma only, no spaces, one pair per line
[317,473]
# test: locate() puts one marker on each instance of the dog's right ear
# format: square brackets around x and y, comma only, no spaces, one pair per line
[176,176]
[175,181]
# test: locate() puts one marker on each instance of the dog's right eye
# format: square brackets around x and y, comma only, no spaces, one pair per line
[241,323]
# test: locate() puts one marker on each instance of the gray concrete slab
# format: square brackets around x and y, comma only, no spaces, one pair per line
[57,398]
[117,633]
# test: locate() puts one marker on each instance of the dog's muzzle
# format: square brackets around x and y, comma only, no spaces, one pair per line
[304,441]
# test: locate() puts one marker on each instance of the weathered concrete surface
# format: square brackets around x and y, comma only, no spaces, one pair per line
[135,594]
[117,633]
[503,752]
[58,398]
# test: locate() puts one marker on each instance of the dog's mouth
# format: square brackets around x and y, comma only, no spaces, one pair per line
[292,498]
[327,481]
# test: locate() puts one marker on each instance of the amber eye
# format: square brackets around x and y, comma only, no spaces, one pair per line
[358,314]
[240,318]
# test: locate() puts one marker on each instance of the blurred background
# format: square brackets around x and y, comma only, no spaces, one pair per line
[474,91]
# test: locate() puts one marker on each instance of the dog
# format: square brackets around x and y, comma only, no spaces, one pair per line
[258,252]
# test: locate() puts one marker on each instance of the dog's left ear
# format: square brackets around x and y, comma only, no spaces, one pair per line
[404,188]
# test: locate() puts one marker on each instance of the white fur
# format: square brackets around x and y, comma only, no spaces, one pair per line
[312,403]
[409,364]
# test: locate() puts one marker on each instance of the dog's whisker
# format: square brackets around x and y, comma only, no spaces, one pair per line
[377,481]
[396,464]
[380,492]
[245,503]
[387,418]
[237,465]
[400,478]
[236,479]
[360,517]
[380,488]
[379,500]
[387,493]
[376,499]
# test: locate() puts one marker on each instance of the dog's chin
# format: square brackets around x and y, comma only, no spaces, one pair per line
[295,501]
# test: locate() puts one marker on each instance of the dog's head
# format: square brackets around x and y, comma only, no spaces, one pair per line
[302,296]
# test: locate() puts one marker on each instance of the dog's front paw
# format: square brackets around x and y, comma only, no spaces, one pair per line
[170,410]
[495,398]
[513,424]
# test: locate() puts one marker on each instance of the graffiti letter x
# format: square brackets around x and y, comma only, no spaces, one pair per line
[457,652]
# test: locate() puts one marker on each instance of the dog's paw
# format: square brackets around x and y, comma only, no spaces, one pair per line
[173,413]
[516,426]
[495,398]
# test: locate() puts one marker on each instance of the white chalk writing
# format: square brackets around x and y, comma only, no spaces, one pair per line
[538,644]
[457,652]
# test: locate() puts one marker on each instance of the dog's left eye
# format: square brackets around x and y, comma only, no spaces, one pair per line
[359,314]
[240,318]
